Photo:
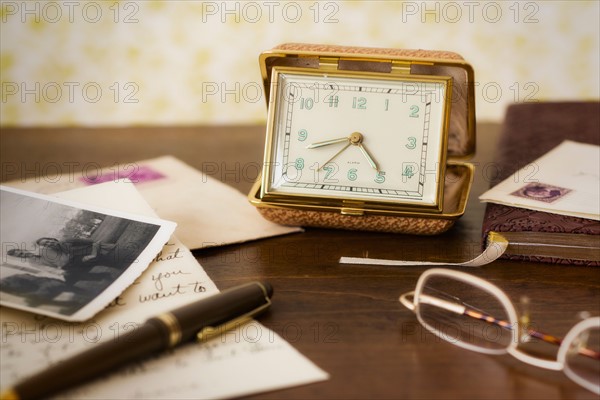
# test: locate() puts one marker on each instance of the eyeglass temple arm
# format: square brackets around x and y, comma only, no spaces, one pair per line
[434,301]
[441,303]
[533,333]
[462,310]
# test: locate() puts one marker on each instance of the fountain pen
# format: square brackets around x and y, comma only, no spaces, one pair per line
[202,319]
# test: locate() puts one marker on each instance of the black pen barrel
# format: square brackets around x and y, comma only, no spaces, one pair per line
[221,308]
[105,357]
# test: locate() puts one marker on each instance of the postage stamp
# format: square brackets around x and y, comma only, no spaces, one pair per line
[541,192]
[134,173]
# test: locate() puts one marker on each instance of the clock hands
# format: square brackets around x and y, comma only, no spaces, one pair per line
[368,156]
[327,143]
[335,155]
[355,139]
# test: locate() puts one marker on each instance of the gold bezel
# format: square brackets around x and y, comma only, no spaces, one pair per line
[327,202]
[467,170]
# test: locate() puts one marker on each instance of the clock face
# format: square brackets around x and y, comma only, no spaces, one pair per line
[363,137]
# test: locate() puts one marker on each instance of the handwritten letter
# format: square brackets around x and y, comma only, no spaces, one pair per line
[247,360]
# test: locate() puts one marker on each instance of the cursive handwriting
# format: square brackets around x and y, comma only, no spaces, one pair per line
[158,278]
[168,256]
[176,290]
[119,301]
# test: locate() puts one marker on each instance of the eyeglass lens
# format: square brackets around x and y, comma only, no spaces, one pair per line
[583,357]
[466,314]
[461,312]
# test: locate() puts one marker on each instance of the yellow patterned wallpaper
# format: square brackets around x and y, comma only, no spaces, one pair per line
[195,62]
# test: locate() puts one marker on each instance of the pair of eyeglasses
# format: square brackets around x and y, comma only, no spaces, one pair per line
[474,314]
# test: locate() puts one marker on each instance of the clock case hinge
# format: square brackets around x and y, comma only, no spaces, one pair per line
[400,67]
[352,207]
[331,63]
[396,67]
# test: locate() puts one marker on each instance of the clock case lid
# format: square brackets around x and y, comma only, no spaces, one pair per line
[461,131]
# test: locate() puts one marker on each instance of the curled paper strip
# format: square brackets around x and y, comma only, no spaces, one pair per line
[497,245]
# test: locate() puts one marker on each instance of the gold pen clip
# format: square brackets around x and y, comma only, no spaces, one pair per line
[209,332]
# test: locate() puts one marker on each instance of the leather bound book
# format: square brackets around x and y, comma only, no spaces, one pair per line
[529,131]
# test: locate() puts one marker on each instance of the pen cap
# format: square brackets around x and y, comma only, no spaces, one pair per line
[221,308]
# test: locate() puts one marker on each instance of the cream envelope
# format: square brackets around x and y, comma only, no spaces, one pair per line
[564,181]
[207,212]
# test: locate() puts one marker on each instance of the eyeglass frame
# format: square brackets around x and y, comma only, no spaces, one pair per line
[512,348]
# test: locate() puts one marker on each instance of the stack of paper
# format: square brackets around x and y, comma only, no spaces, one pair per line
[247,360]
[207,212]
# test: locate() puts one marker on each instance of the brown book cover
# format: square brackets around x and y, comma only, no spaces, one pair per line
[529,131]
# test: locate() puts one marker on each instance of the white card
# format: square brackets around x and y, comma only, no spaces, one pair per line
[564,181]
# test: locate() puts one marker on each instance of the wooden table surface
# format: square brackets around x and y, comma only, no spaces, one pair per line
[346,319]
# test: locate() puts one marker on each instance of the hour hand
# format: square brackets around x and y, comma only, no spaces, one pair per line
[327,142]
[368,156]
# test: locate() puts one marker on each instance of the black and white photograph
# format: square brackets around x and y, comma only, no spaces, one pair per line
[67,260]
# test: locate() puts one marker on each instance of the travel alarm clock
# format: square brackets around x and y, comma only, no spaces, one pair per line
[362,138]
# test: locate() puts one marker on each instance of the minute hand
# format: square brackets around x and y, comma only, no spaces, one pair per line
[327,143]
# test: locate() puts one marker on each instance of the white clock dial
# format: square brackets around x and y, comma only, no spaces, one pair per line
[358,137]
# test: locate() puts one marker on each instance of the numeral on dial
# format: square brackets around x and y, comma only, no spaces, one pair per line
[299,164]
[302,135]
[409,171]
[306,103]
[414,112]
[412,143]
[330,170]
[352,174]
[380,177]
[333,101]
[359,103]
